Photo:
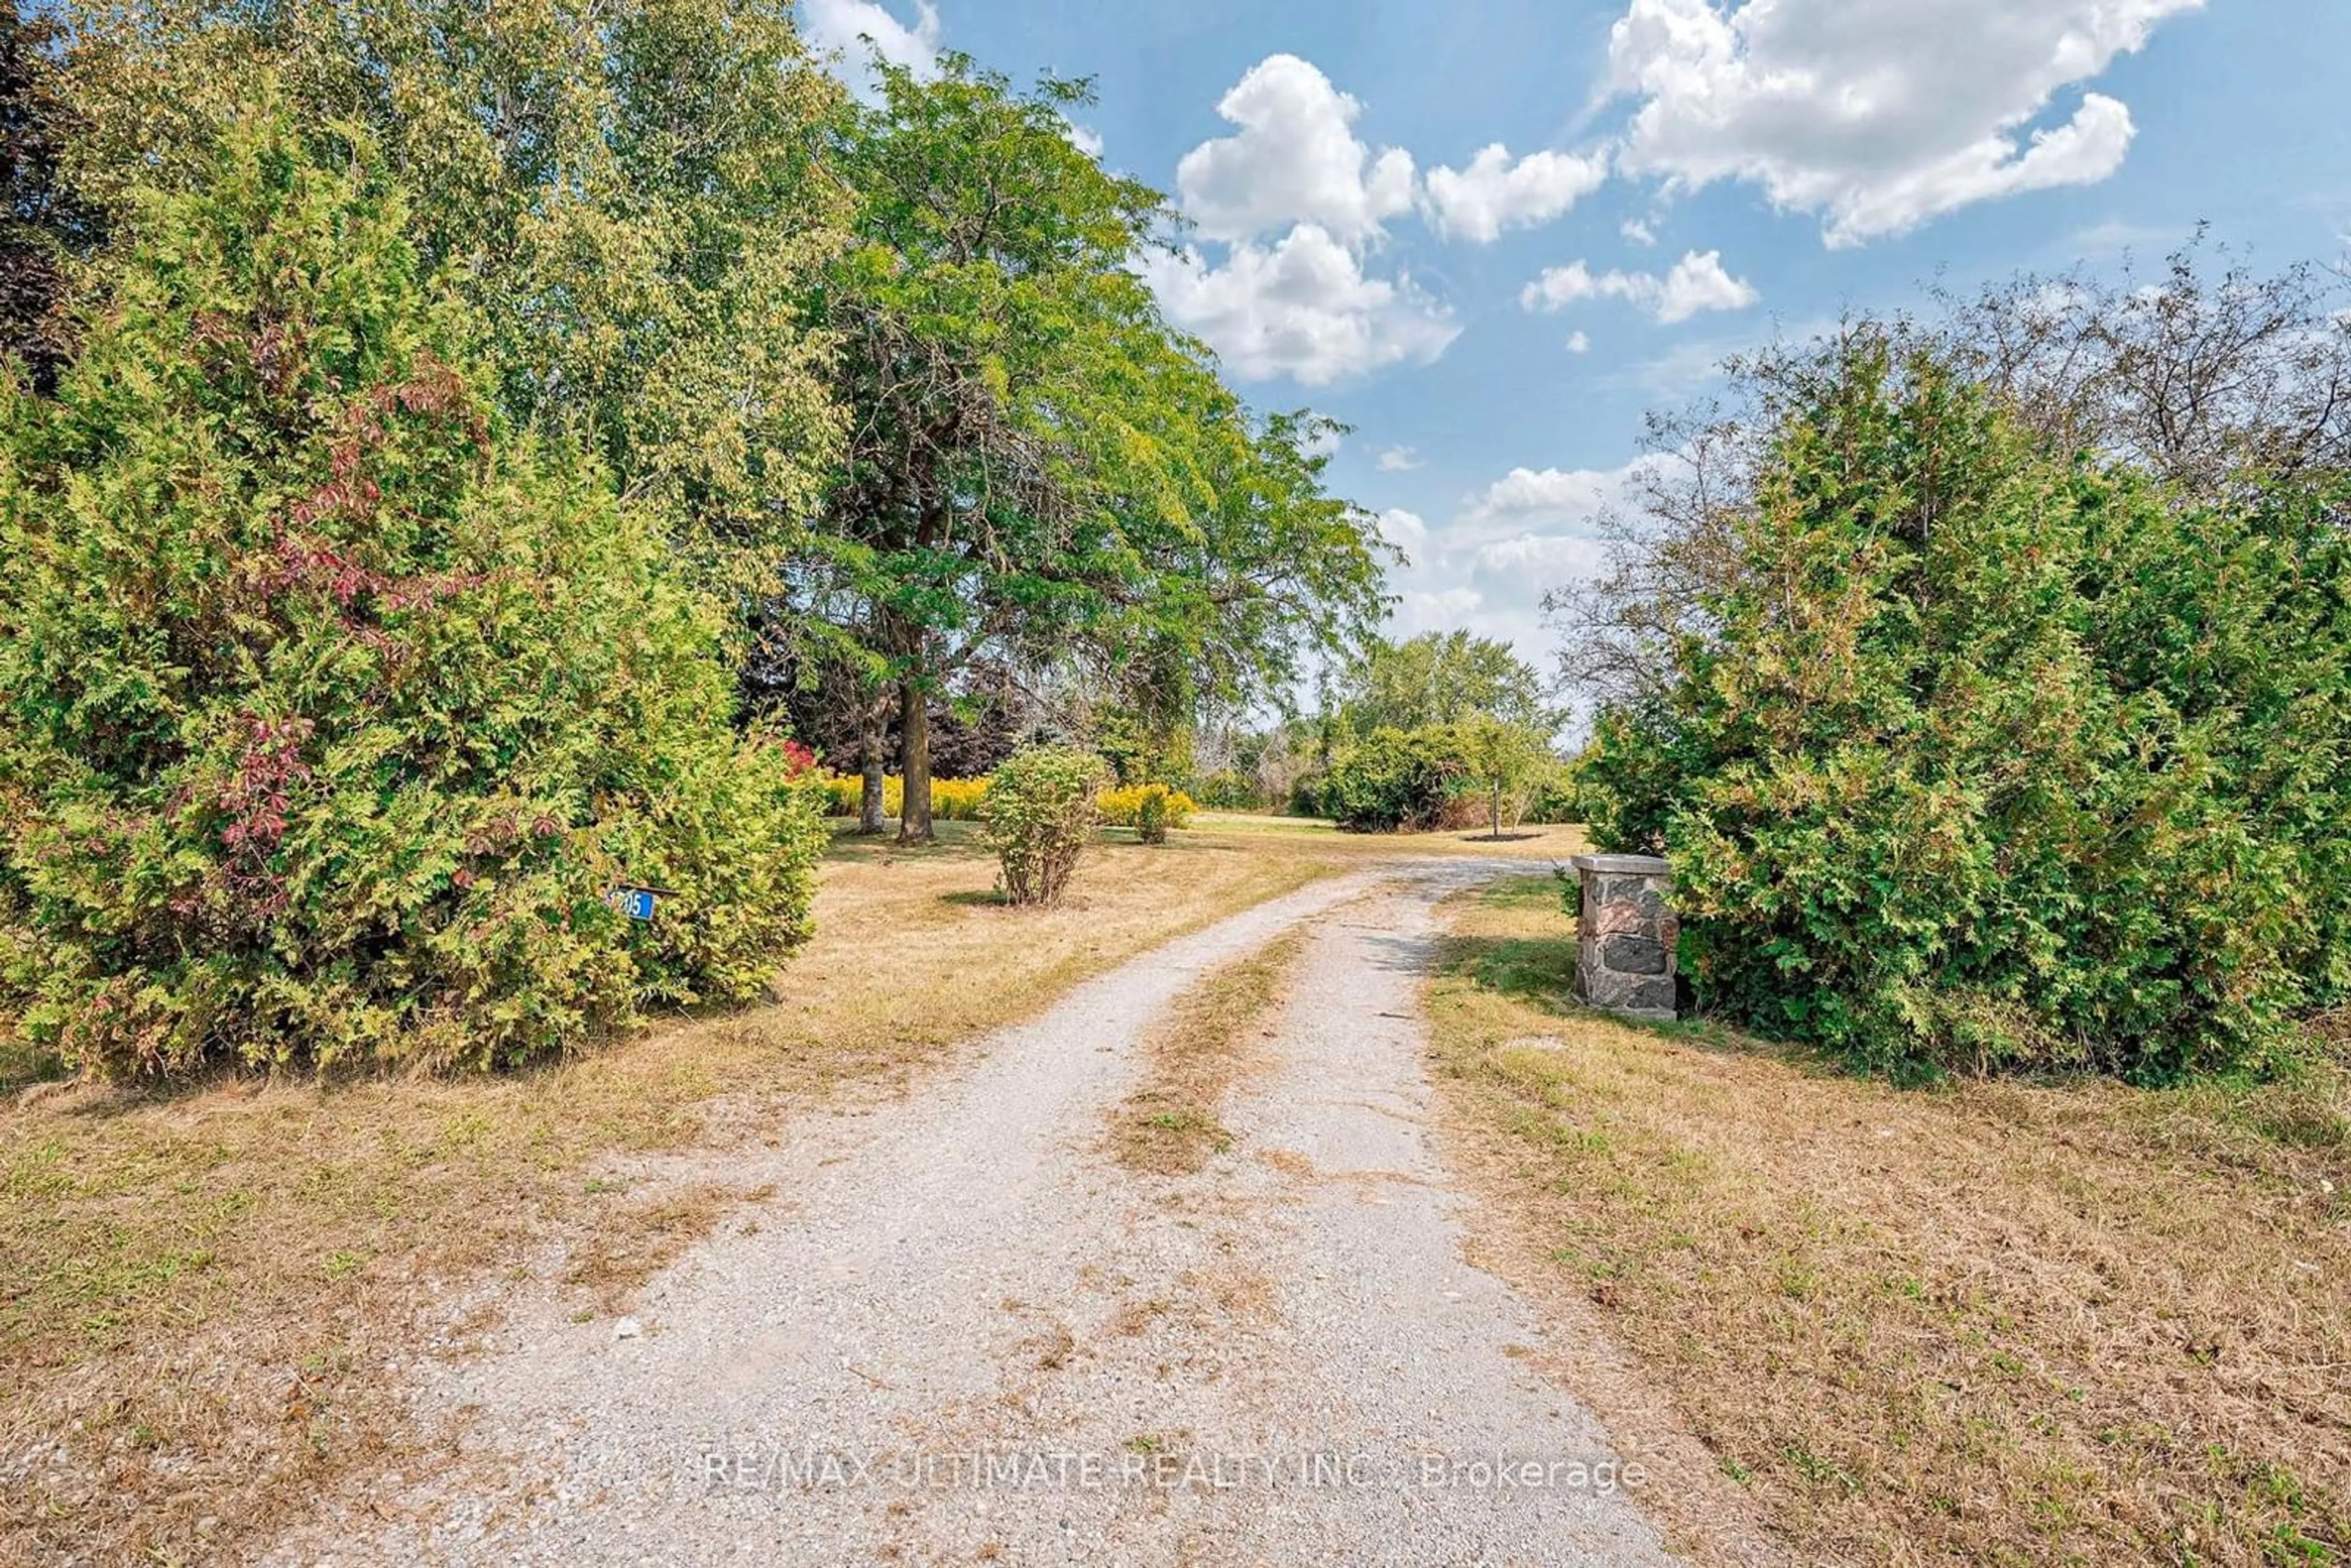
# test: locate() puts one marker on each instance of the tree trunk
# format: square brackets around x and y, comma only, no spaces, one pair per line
[1497,812]
[869,767]
[908,640]
[915,764]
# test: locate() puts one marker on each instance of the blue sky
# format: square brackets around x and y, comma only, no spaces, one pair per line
[1682,179]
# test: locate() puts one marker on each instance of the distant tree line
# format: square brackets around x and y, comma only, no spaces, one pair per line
[1442,731]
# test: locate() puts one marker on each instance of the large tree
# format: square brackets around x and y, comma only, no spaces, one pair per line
[43,225]
[331,708]
[2208,376]
[629,194]
[1039,469]
[1978,749]
[1445,677]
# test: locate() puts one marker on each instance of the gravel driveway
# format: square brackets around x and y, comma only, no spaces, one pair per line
[959,1333]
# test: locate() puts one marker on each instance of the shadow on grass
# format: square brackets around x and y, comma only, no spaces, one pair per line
[23,1065]
[956,841]
[978,898]
[1540,973]
[1538,970]
[2305,1106]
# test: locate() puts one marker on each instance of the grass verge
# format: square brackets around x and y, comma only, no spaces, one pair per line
[1993,1323]
[1533,841]
[205,1295]
[1170,1125]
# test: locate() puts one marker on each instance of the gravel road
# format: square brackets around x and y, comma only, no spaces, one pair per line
[959,1333]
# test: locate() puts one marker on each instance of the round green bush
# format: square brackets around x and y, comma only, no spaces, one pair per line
[1403,780]
[330,712]
[1037,815]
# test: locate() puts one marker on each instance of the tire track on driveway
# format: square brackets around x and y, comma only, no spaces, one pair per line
[960,1332]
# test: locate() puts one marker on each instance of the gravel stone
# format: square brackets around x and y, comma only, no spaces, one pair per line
[959,1332]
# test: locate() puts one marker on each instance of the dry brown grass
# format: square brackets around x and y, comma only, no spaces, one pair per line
[1991,1323]
[204,1296]
[1169,1126]
[1309,835]
[642,1239]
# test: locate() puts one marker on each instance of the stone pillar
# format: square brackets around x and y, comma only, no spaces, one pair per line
[1624,954]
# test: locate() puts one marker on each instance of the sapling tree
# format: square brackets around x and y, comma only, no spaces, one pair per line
[1508,759]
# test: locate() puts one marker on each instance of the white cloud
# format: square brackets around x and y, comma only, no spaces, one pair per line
[1406,530]
[1696,283]
[843,25]
[1442,610]
[1878,114]
[1294,160]
[1301,307]
[1541,561]
[1323,443]
[1560,287]
[1577,343]
[1494,193]
[1531,499]
[1398,460]
[1490,566]
[1638,231]
[1084,138]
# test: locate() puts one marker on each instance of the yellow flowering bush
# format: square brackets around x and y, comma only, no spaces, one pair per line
[957,800]
[952,799]
[1137,805]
